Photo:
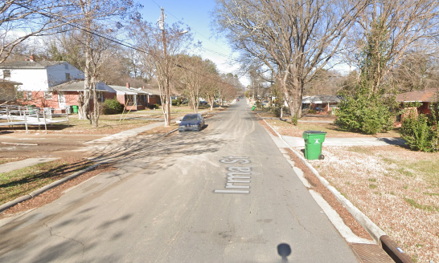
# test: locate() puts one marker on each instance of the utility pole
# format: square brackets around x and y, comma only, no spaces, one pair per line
[167,89]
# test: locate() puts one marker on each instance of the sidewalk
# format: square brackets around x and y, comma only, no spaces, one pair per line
[298,142]
[7,167]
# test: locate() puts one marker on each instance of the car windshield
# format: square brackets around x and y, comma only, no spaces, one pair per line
[190,118]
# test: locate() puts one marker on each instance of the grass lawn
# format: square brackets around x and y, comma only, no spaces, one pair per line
[24,181]
[111,124]
[395,187]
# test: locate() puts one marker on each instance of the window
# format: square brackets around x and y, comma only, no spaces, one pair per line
[6,73]
[61,97]
[48,95]
[68,76]
[100,96]
[28,95]
[66,66]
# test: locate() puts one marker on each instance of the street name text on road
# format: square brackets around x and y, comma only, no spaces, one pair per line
[236,175]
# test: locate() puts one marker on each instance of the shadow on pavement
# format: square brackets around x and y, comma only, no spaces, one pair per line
[393,141]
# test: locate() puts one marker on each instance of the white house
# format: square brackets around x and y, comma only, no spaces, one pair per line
[39,76]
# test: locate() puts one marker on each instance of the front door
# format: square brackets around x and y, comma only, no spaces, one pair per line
[62,100]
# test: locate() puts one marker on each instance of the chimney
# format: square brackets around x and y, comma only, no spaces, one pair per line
[128,85]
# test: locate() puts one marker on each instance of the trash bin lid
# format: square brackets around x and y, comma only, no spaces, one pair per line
[314,132]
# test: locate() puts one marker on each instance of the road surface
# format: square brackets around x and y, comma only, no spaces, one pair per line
[225,194]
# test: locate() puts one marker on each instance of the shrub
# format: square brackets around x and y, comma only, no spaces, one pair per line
[365,113]
[176,102]
[311,111]
[295,120]
[258,104]
[102,108]
[112,106]
[421,133]
[276,111]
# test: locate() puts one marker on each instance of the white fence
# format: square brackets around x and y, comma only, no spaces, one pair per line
[11,115]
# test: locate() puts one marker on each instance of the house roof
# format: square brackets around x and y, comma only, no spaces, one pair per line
[29,64]
[78,85]
[8,82]
[124,90]
[321,99]
[152,89]
[428,95]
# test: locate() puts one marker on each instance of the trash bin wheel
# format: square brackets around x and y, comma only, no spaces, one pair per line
[321,157]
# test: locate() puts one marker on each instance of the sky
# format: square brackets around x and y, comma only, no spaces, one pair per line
[197,15]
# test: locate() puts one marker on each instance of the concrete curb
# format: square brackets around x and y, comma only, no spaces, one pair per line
[166,134]
[45,188]
[390,247]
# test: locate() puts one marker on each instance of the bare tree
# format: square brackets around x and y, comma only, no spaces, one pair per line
[95,18]
[418,69]
[190,77]
[151,46]
[21,20]
[387,29]
[293,38]
[210,88]
[325,82]
[228,87]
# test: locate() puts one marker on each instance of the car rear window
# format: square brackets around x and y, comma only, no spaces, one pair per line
[190,118]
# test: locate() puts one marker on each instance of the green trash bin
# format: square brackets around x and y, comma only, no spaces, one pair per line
[75,108]
[254,107]
[31,109]
[313,144]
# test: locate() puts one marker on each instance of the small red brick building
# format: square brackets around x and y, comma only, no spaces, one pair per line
[135,99]
[427,98]
[62,96]
[322,104]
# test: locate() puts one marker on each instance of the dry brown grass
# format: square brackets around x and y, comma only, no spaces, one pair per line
[396,188]
[332,130]
[23,181]
[54,193]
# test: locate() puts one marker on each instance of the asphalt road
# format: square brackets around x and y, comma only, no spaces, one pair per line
[168,202]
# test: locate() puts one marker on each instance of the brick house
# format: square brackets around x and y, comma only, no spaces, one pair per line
[321,103]
[135,99]
[427,98]
[67,94]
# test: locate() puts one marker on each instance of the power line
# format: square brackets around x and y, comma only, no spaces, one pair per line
[196,32]
[114,40]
